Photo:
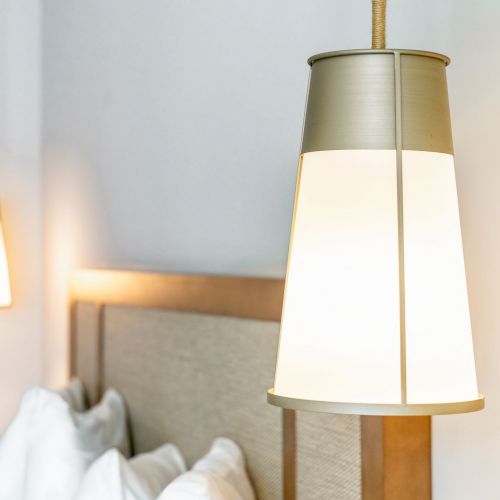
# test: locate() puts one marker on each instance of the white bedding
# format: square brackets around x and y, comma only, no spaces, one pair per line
[113,477]
[219,475]
[56,449]
[47,448]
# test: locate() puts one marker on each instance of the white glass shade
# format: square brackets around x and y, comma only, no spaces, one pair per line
[5,294]
[355,329]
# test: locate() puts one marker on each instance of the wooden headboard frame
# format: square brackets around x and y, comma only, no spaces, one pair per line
[396,451]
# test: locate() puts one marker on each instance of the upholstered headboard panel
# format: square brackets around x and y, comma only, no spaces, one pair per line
[194,356]
[188,378]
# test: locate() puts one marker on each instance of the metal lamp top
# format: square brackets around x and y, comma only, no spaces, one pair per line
[367,98]
[337,53]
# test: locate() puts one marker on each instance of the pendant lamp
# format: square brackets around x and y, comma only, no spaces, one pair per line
[376,316]
[5,293]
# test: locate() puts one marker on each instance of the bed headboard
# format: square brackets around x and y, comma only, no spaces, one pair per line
[194,356]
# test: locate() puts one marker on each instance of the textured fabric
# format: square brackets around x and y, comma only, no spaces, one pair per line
[328,456]
[219,475]
[188,378]
[144,477]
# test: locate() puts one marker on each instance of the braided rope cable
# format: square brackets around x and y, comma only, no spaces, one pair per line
[378,24]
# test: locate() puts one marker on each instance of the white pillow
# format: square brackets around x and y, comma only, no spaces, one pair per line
[63,443]
[219,475]
[74,394]
[13,449]
[112,477]
[14,442]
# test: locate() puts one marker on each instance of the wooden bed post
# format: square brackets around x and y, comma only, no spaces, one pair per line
[289,455]
[396,458]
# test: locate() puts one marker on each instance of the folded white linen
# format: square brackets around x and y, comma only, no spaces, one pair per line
[14,448]
[219,475]
[48,446]
[63,443]
[14,441]
[143,477]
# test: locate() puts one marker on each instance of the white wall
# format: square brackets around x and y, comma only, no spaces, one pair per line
[467,447]
[20,326]
[171,133]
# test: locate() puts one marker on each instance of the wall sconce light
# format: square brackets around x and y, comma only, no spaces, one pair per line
[376,315]
[5,291]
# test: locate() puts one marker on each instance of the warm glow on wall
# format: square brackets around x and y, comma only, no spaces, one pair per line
[5,292]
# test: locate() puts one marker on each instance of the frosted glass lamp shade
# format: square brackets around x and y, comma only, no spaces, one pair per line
[376,316]
[5,293]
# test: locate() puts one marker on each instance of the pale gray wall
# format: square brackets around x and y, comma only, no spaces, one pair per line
[467,447]
[171,133]
[20,197]
[182,119]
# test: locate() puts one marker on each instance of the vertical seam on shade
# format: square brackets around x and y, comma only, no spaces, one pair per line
[401,243]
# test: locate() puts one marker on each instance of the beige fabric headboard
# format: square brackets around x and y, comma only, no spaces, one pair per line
[193,357]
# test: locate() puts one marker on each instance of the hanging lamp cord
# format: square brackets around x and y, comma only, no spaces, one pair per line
[378,24]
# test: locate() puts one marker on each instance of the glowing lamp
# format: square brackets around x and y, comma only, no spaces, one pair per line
[376,315]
